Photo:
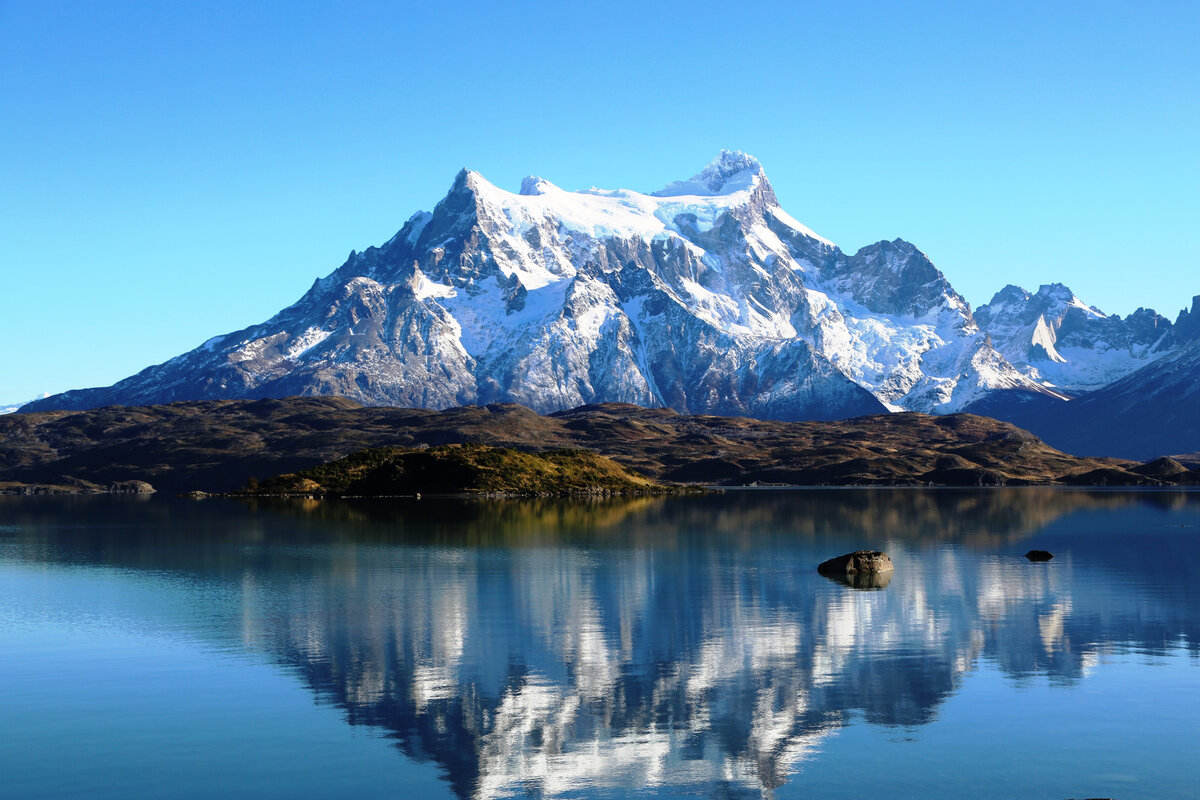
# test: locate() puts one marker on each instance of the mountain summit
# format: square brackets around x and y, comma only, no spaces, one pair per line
[730,171]
[705,297]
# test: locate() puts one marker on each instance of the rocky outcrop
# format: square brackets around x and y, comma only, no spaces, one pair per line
[860,562]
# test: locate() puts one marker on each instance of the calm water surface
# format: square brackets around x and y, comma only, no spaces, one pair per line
[652,648]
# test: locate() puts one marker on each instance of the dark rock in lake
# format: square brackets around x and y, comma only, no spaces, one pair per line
[860,562]
[1039,555]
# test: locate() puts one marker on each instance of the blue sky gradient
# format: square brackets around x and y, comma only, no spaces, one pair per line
[172,171]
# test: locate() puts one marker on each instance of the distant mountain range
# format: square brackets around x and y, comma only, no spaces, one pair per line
[1057,340]
[704,297]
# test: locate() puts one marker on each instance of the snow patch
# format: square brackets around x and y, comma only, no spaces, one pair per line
[418,221]
[426,288]
[730,172]
[1043,336]
[305,342]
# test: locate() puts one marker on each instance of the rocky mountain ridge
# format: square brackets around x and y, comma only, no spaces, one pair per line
[703,297]
[1056,339]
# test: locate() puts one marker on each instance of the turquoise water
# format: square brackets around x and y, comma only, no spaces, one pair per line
[676,647]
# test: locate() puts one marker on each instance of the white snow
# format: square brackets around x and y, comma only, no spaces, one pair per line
[907,362]
[305,342]
[418,221]
[427,288]
[602,213]
[1043,336]
[1069,368]
[485,321]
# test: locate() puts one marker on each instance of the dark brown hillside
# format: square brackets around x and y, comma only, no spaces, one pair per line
[218,445]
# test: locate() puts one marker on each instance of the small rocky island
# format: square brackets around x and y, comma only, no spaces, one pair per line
[472,469]
[862,569]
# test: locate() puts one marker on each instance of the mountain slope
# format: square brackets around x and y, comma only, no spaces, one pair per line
[703,297]
[1151,412]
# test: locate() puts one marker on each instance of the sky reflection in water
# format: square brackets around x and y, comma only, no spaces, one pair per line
[652,647]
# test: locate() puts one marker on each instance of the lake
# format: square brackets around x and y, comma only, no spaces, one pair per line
[667,647]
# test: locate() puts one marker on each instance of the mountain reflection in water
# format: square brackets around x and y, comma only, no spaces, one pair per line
[675,642]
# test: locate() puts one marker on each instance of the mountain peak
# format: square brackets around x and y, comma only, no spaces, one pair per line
[533,185]
[727,164]
[1056,290]
[1010,294]
[731,171]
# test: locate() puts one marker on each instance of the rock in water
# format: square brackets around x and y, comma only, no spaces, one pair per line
[1039,555]
[860,562]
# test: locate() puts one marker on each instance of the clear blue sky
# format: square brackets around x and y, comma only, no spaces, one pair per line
[172,170]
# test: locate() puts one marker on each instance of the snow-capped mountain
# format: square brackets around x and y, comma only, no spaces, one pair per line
[1056,339]
[705,296]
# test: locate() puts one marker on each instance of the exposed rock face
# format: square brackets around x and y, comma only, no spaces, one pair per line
[1187,325]
[704,297]
[860,562]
